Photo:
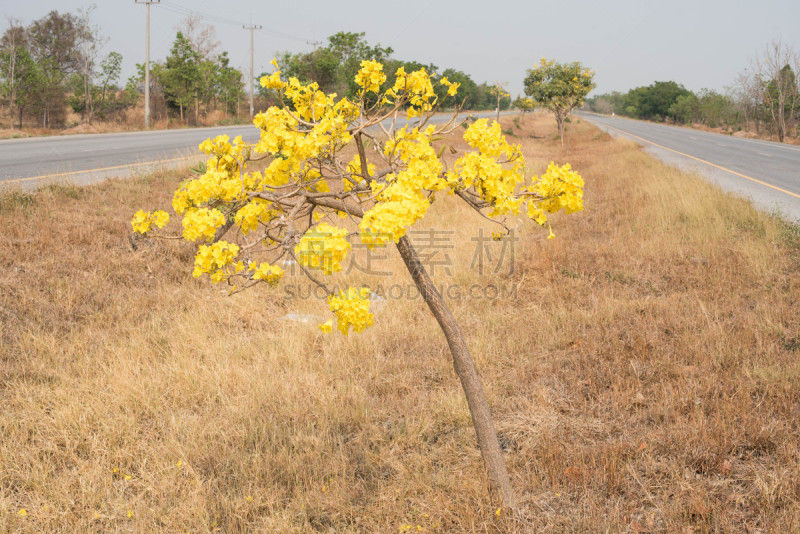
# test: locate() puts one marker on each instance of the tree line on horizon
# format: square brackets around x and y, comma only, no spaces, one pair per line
[763,98]
[334,66]
[54,65]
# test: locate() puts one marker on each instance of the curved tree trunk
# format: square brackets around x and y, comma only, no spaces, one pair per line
[465,369]
[561,117]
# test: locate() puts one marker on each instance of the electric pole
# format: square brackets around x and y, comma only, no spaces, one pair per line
[252,28]
[147,62]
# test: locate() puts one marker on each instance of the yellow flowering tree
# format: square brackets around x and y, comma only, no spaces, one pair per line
[499,92]
[524,105]
[246,221]
[560,87]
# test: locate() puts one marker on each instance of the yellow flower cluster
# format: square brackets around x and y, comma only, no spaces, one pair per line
[251,214]
[219,146]
[273,81]
[309,102]
[494,170]
[403,201]
[282,135]
[351,308]
[419,89]
[201,222]
[212,259]
[560,187]
[323,248]
[143,221]
[452,87]
[269,273]
[370,76]
[222,179]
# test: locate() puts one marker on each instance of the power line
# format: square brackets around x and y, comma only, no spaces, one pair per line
[182,10]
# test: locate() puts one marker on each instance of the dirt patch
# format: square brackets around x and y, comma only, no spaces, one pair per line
[82,129]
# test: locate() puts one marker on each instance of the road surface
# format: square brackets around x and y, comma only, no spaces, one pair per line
[766,172]
[86,158]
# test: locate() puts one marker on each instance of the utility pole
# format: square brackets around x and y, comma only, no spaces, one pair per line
[252,28]
[315,44]
[147,62]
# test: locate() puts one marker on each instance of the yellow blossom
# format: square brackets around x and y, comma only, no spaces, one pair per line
[323,248]
[370,76]
[271,274]
[211,259]
[351,308]
[143,221]
[201,222]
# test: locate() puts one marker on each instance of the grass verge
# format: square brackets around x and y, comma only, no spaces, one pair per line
[642,368]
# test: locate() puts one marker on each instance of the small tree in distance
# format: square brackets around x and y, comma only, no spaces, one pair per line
[387,185]
[524,105]
[498,91]
[560,87]
[778,70]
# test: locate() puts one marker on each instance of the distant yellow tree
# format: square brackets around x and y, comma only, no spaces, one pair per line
[524,104]
[560,87]
[499,92]
[247,221]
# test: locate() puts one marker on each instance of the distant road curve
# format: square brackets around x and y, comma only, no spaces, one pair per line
[85,158]
[766,172]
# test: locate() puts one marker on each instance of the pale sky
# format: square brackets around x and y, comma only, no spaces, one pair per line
[629,43]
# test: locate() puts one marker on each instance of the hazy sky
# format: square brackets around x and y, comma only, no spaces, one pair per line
[699,43]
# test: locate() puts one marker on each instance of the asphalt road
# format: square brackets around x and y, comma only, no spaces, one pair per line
[81,159]
[766,172]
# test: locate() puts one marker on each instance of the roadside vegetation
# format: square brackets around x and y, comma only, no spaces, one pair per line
[763,101]
[642,371]
[56,78]
[334,67]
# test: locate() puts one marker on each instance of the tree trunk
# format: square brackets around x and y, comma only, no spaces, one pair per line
[12,88]
[86,116]
[465,369]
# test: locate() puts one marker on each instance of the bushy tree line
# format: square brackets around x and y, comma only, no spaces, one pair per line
[335,65]
[194,80]
[670,101]
[53,64]
[763,96]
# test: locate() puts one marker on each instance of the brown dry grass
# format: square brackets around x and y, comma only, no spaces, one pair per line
[644,379]
[131,120]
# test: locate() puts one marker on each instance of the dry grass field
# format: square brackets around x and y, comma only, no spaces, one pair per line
[643,369]
[131,120]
